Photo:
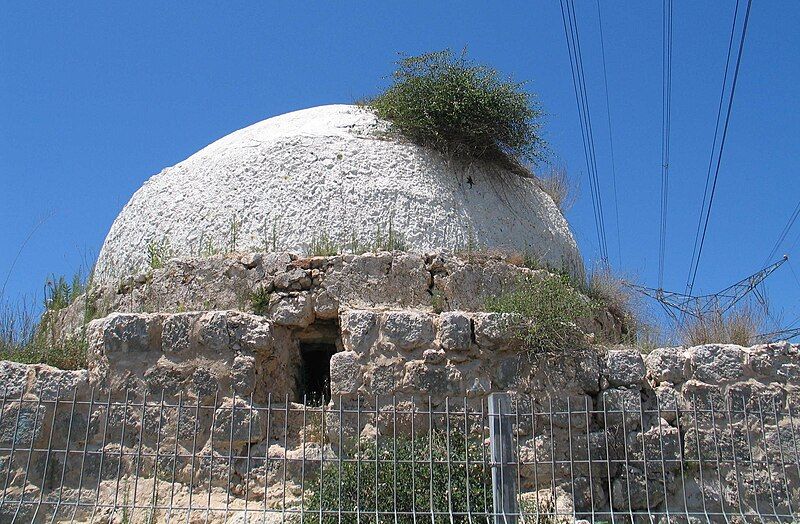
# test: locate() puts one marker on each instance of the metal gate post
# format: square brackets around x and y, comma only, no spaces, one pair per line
[504,464]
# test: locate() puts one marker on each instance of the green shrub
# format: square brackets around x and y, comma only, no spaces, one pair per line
[464,110]
[412,476]
[550,308]
[259,300]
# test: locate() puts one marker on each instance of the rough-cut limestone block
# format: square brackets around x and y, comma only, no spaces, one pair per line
[371,280]
[50,383]
[14,378]
[236,422]
[359,330]
[667,364]
[292,310]
[331,172]
[408,330]
[195,353]
[625,367]
[345,373]
[455,331]
[717,363]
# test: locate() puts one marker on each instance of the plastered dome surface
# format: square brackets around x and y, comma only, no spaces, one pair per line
[330,174]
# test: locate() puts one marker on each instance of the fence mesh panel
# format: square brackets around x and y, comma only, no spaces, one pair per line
[126,457]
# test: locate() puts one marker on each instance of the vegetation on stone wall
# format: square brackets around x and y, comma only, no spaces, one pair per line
[551,307]
[428,475]
[29,338]
[464,110]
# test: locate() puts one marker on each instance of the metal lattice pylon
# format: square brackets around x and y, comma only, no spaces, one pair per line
[679,304]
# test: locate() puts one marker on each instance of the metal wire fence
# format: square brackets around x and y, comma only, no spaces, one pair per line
[124,457]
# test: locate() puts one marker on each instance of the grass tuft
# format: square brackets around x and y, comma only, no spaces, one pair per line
[739,326]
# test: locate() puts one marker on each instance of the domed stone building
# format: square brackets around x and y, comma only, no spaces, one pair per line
[331,175]
[225,372]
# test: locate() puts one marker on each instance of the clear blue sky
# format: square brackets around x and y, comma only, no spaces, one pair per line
[94,99]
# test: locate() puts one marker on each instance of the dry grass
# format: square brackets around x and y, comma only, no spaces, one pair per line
[638,325]
[561,188]
[739,326]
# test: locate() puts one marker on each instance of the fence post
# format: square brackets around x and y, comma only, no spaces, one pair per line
[504,465]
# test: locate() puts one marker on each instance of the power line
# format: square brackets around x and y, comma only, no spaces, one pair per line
[666,119]
[713,145]
[579,83]
[785,231]
[696,261]
[610,135]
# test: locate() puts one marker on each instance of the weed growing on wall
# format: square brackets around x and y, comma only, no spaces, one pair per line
[30,337]
[550,307]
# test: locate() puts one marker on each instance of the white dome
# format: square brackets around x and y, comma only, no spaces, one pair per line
[329,172]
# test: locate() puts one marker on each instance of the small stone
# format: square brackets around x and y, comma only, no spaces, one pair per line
[433,356]
[295,279]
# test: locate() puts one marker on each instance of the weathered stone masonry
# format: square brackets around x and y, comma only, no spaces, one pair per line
[389,345]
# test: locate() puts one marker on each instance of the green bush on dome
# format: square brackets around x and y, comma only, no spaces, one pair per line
[464,110]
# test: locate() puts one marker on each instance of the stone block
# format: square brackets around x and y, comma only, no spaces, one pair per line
[128,333]
[359,330]
[22,423]
[346,373]
[625,367]
[408,330]
[50,383]
[292,311]
[237,422]
[212,332]
[497,330]
[666,365]
[14,378]
[176,333]
[717,363]
[455,331]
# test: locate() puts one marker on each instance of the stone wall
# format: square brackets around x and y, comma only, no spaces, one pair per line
[180,362]
[300,290]
[642,421]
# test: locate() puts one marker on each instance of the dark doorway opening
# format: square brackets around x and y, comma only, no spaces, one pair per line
[315,372]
